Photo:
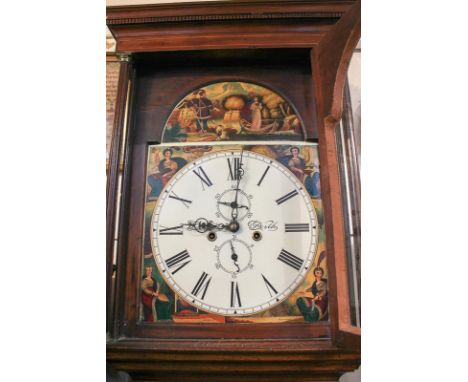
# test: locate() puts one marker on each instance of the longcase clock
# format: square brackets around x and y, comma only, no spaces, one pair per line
[224,189]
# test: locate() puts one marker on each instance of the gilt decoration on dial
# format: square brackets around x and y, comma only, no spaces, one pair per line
[235,232]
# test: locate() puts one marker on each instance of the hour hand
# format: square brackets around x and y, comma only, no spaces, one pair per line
[203,225]
[233,205]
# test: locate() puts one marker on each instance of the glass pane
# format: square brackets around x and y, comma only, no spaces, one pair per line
[348,142]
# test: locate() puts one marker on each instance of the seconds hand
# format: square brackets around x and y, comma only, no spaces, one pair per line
[234,256]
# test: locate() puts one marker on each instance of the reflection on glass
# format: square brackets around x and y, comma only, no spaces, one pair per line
[349,154]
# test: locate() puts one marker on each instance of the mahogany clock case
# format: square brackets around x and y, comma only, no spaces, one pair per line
[299,49]
[160,82]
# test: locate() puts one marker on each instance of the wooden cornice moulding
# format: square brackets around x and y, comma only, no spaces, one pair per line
[239,16]
[223,25]
[333,56]
[226,10]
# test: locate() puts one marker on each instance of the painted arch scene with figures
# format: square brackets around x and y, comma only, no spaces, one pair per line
[232,111]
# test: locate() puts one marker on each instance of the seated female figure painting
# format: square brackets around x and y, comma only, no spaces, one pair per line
[313,302]
[306,171]
[161,169]
[155,304]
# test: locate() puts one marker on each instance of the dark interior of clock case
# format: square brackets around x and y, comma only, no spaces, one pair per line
[163,79]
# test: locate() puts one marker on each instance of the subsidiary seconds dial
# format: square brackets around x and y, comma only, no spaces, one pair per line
[234,233]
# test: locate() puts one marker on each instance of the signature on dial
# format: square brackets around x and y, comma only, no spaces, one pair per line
[269,225]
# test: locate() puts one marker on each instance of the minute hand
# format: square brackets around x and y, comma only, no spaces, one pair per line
[169,229]
[235,208]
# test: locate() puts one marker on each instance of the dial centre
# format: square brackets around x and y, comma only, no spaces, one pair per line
[233,226]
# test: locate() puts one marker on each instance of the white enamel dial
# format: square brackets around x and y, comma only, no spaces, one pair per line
[241,268]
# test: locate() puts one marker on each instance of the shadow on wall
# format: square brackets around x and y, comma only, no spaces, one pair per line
[113,375]
[355,376]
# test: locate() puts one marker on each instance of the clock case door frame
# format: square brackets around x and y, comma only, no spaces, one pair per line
[331,30]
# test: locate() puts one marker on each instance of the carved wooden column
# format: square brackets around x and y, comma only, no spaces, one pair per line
[115,159]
